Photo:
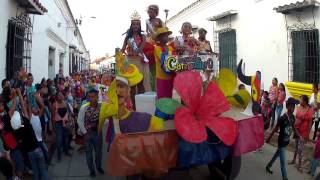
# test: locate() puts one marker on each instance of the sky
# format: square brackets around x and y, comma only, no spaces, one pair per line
[104,33]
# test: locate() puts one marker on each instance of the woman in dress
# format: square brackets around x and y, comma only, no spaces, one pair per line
[302,126]
[273,95]
[186,44]
[133,47]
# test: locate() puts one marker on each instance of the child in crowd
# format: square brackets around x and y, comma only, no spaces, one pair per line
[266,109]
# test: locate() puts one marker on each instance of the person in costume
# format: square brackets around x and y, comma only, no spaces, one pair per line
[133,47]
[162,51]
[119,93]
[88,121]
[152,25]
[131,122]
[255,83]
[186,44]
[204,45]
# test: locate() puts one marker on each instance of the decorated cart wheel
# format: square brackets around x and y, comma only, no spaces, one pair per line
[228,169]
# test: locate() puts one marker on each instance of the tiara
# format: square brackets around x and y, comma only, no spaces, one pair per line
[135,16]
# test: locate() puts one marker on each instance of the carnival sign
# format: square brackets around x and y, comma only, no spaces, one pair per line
[188,63]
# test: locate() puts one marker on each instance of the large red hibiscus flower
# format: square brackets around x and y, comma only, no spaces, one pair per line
[202,111]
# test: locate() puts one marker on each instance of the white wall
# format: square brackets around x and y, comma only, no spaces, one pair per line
[54,29]
[8,9]
[260,30]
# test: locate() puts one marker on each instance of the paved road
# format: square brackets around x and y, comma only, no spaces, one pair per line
[74,168]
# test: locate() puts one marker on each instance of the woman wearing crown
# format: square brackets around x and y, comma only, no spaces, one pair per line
[133,48]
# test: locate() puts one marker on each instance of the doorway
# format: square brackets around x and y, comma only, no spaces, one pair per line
[51,63]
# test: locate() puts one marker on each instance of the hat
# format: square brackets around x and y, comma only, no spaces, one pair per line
[132,75]
[122,79]
[162,30]
[292,101]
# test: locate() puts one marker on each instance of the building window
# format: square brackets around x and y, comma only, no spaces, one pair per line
[228,50]
[305,56]
[19,41]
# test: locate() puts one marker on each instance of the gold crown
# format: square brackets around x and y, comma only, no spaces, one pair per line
[135,16]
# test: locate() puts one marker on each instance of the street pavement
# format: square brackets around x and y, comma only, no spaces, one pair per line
[252,167]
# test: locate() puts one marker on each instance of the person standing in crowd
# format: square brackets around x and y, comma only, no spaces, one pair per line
[265,109]
[204,45]
[59,115]
[28,142]
[273,95]
[5,83]
[314,102]
[302,125]
[186,44]
[88,122]
[7,134]
[286,126]
[280,100]
[6,167]
[316,156]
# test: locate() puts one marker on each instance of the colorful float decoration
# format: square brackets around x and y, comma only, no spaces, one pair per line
[198,127]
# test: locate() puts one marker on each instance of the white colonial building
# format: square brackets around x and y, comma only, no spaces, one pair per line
[279,38]
[41,36]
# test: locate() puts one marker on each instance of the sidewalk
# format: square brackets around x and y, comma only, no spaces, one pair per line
[75,167]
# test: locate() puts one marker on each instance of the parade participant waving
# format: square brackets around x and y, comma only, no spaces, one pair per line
[186,44]
[162,51]
[133,45]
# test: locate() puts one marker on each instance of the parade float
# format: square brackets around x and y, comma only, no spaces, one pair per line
[197,117]
[201,126]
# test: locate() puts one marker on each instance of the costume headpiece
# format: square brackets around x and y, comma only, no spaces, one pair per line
[135,16]
[163,30]
[125,72]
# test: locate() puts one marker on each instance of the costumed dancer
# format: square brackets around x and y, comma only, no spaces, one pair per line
[162,51]
[118,98]
[152,25]
[255,83]
[186,44]
[133,45]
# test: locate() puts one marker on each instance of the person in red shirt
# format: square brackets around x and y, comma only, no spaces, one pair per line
[302,126]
